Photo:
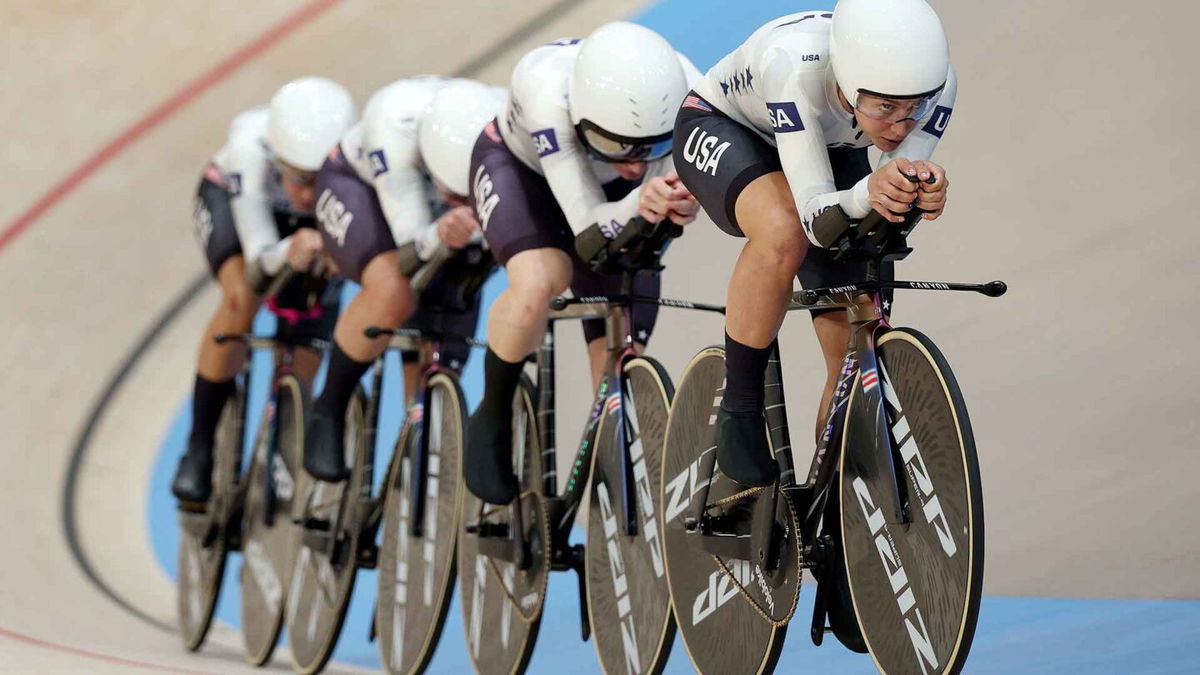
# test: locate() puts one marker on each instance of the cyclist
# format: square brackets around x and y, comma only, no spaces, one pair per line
[378,193]
[774,143]
[583,147]
[253,214]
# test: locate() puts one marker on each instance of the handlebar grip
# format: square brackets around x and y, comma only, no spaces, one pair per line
[994,289]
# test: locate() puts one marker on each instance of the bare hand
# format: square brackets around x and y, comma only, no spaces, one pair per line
[666,196]
[306,244]
[891,192]
[457,226]
[931,196]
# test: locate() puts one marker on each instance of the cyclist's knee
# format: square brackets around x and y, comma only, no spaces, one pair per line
[538,276]
[388,291]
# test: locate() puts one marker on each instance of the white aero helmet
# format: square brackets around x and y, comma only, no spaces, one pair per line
[625,89]
[307,118]
[889,49]
[453,122]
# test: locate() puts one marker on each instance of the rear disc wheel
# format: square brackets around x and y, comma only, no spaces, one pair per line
[731,613]
[502,604]
[325,566]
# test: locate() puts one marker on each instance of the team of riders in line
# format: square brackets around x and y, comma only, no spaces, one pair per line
[772,143]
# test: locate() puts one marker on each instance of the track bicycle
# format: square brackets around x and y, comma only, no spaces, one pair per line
[889,518]
[506,553]
[340,523]
[243,512]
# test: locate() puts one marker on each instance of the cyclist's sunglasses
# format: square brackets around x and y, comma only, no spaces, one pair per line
[293,174]
[613,148]
[893,109]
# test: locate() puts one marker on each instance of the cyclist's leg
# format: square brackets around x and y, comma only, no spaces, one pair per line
[821,270]
[530,237]
[217,365]
[746,194]
[361,245]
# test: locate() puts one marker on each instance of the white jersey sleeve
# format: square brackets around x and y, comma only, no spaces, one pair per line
[245,163]
[788,90]
[390,157]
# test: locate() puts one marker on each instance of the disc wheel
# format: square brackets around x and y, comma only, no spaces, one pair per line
[204,537]
[416,574]
[731,613]
[915,587]
[629,603]
[327,560]
[501,603]
[268,536]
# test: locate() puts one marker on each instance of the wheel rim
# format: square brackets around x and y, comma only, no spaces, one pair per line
[629,602]
[925,620]
[500,633]
[415,596]
[722,631]
[321,584]
[267,550]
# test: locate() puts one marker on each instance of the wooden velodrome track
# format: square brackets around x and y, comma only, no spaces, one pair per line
[1071,156]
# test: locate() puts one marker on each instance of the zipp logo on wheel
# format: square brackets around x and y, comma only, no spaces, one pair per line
[893,568]
[918,473]
[620,582]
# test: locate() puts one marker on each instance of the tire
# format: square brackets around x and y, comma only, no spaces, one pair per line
[501,633]
[723,632]
[926,624]
[416,574]
[323,579]
[267,550]
[204,538]
[629,602]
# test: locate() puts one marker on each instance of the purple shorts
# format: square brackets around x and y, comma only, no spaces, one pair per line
[521,213]
[343,197]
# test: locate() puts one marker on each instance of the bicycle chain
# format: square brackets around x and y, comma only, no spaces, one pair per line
[780,623]
[545,559]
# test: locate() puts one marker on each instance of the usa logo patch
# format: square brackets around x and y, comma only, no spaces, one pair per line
[938,121]
[785,117]
[546,142]
[378,162]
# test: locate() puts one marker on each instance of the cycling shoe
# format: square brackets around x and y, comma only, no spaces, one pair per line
[488,467]
[324,456]
[193,478]
[743,453]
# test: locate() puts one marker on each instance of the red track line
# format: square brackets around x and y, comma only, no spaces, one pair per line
[92,655]
[160,114]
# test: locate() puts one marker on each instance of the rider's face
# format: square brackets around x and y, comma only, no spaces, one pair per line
[887,136]
[302,195]
[630,170]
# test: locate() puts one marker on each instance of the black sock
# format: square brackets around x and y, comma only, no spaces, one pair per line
[341,377]
[745,373]
[208,398]
[500,380]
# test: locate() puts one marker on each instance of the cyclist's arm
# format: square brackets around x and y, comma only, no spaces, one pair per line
[400,186]
[253,217]
[579,192]
[825,211]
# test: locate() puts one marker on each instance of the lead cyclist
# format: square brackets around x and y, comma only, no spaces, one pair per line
[774,147]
